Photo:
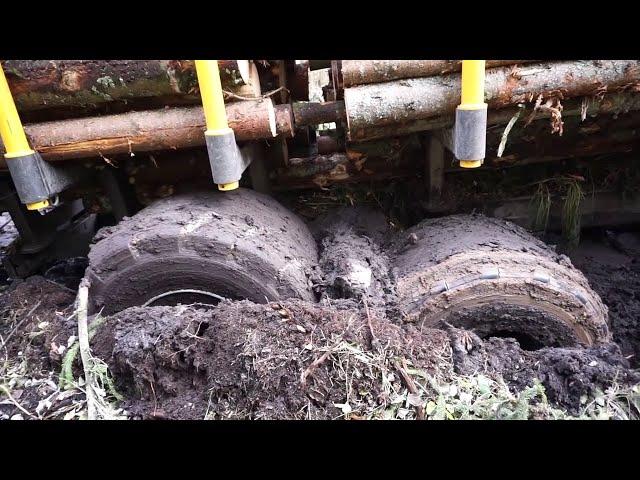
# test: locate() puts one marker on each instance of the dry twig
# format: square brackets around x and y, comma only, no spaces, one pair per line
[15,402]
[411,386]
[85,352]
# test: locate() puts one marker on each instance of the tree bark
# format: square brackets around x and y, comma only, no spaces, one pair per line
[166,129]
[321,171]
[420,99]
[364,162]
[609,104]
[315,113]
[362,72]
[43,84]
[249,89]
[285,125]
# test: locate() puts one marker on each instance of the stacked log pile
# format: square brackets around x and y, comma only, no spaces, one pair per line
[391,104]
[384,100]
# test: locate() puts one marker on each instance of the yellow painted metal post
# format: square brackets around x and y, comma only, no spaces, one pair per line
[12,133]
[473,84]
[215,114]
[471,116]
[13,136]
[212,98]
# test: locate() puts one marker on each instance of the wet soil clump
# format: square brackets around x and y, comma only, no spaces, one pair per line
[35,327]
[570,375]
[34,320]
[611,262]
[291,360]
[295,360]
[353,262]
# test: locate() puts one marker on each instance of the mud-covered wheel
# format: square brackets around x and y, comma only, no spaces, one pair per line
[493,277]
[200,247]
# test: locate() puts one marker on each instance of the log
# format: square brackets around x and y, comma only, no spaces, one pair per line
[249,89]
[284,120]
[316,113]
[298,79]
[44,84]
[360,72]
[166,129]
[366,162]
[609,104]
[234,72]
[320,171]
[561,148]
[408,100]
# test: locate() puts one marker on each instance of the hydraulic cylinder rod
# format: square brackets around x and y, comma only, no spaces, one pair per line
[224,155]
[12,133]
[35,180]
[470,131]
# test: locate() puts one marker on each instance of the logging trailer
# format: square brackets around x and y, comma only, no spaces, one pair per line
[175,165]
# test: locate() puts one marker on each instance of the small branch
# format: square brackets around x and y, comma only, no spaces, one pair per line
[505,134]
[85,351]
[319,361]
[411,386]
[15,329]
[374,340]
[15,402]
[5,224]
[316,363]
[266,95]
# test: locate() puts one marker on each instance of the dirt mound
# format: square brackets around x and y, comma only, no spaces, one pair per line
[277,361]
[615,275]
[34,331]
[296,360]
[34,320]
[569,375]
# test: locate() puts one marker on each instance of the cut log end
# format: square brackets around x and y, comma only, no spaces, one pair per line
[244,70]
[272,119]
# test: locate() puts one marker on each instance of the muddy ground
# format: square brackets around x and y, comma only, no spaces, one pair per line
[341,358]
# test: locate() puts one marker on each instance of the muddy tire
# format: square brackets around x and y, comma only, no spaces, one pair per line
[238,245]
[493,277]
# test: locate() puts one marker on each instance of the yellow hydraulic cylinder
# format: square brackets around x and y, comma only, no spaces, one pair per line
[220,138]
[212,98]
[473,84]
[13,136]
[471,116]
[12,133]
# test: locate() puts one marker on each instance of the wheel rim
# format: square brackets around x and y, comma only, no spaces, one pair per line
[171,297]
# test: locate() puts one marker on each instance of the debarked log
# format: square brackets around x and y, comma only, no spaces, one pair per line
[425,99]
[362,72]
[152,130]
[609,104]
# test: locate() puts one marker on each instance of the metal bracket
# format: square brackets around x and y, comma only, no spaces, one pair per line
[36,180]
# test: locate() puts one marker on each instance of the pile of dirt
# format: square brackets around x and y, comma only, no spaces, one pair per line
[34,320]
[291,360]
[612,264]
[35,327]
[296,360]
[570,375]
